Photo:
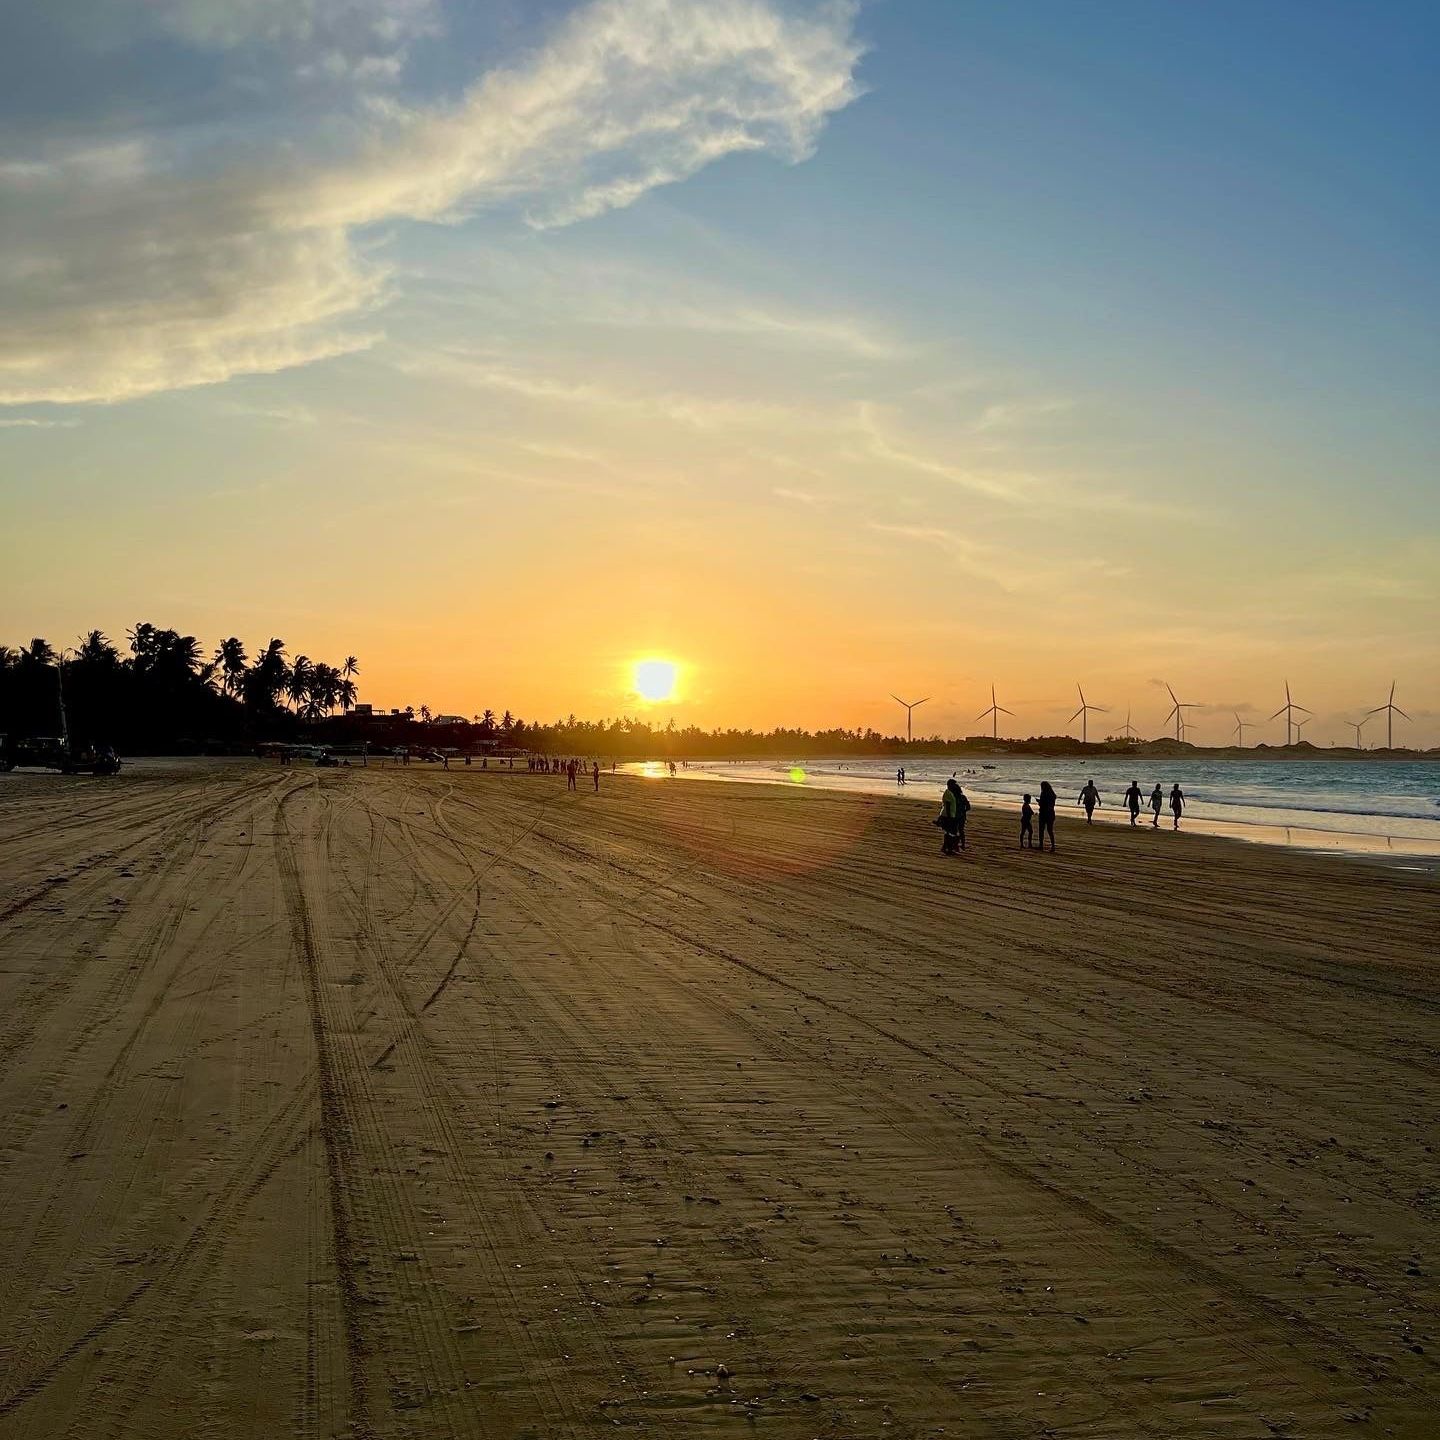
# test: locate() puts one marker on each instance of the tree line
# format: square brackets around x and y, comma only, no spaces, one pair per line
[166,692]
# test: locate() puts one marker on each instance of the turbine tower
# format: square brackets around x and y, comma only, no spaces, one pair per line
[1240,729]
[1127,729]
[1287,710]
[995,711]
[1300,725]
[1391,710]
[1357,726]
[1177,712]
[1083,715]
[910,707]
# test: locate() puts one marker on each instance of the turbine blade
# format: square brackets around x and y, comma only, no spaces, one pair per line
[1278,713]
[1400,712]
[1375,711]
[922,702]
[1004,711]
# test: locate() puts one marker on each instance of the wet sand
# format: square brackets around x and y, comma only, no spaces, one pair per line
[405,1103]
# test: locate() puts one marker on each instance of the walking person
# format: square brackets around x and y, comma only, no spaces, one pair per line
[570,769]
[1090,798]
[962,809]
[1132,801]
[1157,803]
[1177,803]
[595,774]
[948,819]
[1047,814]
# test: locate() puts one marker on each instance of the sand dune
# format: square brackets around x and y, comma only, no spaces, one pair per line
[410,1103]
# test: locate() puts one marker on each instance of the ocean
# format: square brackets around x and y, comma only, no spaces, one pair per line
[1354,806]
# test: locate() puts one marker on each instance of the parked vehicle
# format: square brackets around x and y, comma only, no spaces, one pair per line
[49,752]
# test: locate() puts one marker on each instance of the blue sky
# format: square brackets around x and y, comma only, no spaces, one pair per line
[1131,306]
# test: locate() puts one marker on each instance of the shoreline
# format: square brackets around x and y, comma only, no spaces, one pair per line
[1406,852]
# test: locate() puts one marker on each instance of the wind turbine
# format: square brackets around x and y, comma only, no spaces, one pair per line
[1177,712]
[1357,726]
[1391,710]
[1287,710]
[1240,729]
[1127,729]
[1300,725]
[995,711]
[910,707]
[1083,715]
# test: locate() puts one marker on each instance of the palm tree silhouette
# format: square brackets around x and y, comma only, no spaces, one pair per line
[231,660]
[297,682]
[96,649]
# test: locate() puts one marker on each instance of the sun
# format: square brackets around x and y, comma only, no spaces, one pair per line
[654,680]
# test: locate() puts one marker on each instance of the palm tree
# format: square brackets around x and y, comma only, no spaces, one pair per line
[487,722]
[507,722]
[41,652]
[96,649]
[297,682]
[351,668]
[425,714]
[324,690]
[231,659]
[264,682]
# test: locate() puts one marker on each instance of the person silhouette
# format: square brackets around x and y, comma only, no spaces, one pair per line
[1047,814]
[1157,801]
[595,774]
[962,809]
[1090,798]
[1027,829]
[1177,803]
[949,818]
[1132,801]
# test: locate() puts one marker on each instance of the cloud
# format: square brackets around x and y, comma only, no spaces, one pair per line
[325,25]
[184,257]
[1013,489]
[31,424]
[694,412]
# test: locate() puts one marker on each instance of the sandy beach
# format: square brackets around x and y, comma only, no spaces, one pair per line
[411,1103]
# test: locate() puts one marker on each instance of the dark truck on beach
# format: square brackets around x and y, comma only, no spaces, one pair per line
[45,752]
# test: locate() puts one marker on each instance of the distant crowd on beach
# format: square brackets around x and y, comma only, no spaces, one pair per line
[955,807]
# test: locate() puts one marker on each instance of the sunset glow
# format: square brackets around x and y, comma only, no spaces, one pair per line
[655,680]
[909,342]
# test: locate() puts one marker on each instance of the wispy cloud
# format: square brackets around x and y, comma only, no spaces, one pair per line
[15,423]
[177,259]
[1012,489]
[696,412]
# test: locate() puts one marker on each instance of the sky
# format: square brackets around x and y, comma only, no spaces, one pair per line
[829,350]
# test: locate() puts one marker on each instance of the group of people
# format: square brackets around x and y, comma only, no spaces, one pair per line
[955,807]
[1134,800]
